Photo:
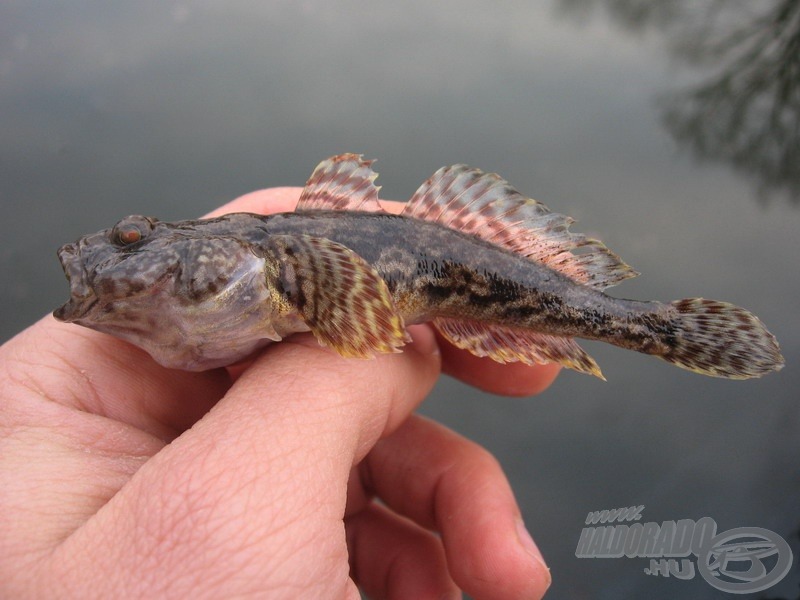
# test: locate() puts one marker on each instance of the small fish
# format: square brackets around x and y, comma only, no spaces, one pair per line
[496,273]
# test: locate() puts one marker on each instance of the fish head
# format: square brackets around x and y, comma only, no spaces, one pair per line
[191,296]
[110,267]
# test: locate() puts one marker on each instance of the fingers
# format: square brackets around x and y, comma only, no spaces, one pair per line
[57,380]
[101,375]
[513,379]
[446,483]
[256,489]
[81,413]
[262,202]
[393,558]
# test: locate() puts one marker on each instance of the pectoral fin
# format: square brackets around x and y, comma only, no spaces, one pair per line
[342,299]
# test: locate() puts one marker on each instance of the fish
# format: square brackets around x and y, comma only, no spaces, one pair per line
[496,273]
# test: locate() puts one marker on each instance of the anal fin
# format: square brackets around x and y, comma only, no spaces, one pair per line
[511,344]
[340,297]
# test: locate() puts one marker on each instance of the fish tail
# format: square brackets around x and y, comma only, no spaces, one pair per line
[722,340]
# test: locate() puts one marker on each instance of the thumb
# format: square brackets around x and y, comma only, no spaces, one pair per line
[261,480]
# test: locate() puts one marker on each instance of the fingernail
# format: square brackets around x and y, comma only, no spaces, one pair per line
[526,541]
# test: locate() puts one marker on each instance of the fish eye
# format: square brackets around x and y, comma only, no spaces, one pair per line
[131,230]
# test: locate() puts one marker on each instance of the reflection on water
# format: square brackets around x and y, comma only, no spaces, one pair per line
[746,112]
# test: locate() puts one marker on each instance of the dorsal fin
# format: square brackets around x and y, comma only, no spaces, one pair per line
[487,206]
[342,182]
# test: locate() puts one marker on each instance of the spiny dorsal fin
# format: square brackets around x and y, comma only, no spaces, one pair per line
[487,206]
[509,344]
[342,182]
[342,299]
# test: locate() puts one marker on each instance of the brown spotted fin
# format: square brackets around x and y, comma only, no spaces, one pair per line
[341,298]
[722,340]
[342,182]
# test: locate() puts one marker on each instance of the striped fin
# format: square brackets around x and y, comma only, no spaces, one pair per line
[342,182]
[487,206]
[342,299]
[509,344]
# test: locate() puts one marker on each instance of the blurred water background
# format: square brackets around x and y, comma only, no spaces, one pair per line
[670,129]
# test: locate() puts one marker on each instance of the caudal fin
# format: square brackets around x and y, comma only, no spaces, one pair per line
[722,340]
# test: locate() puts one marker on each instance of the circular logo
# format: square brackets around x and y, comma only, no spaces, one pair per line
[745,560]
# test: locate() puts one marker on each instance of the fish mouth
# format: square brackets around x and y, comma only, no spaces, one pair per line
[82,298]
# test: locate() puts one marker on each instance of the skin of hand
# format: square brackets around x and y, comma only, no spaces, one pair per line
[120,478]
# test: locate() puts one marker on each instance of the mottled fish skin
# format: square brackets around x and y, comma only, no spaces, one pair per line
[492,270]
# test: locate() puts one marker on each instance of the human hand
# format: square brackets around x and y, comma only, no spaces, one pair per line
[120,478]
